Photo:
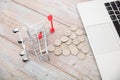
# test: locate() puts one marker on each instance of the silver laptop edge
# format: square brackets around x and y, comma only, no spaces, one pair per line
[103,37]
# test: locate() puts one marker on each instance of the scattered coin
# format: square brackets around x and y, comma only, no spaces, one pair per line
[67,33]
[64,46]
[72,42]
[58,51]
[64,39]
[81,56]
[57,42]
[51,48]
[71,46]
[73,28]
[69,42]
[81,38]
[80,46]
[73,49]
[79,32]
[73,36]
[85,49]
[76,41]
[66,52]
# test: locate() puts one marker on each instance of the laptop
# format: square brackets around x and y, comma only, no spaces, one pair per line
[101,20]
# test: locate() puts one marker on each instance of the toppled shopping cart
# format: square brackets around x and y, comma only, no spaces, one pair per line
[36,38]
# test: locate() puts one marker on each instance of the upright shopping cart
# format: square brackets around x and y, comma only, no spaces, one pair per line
[37,39]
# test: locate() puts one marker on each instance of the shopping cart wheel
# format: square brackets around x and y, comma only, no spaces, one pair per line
[15,30]
[25,59]
[22,53]
[19,41]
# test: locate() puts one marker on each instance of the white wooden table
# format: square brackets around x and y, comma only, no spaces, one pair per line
[29,12]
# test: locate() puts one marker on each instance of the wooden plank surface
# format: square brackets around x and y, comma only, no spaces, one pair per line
[10,61]
[62,10]
[19,12]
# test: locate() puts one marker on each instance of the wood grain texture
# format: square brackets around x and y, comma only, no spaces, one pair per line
[62,10]
[28,13]
[10,62]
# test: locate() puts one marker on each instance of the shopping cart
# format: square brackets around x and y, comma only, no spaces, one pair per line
[36,38]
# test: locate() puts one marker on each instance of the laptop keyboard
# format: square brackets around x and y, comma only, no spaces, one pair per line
[113,9]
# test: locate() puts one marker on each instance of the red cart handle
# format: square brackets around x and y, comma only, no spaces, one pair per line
[50,18]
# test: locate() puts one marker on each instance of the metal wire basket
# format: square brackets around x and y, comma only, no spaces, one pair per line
[36,40]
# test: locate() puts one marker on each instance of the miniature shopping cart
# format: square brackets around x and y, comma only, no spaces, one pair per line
[36,40]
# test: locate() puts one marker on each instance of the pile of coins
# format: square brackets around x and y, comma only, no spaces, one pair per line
[71,43]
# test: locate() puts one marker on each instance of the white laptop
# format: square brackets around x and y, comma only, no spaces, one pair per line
[101,20]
